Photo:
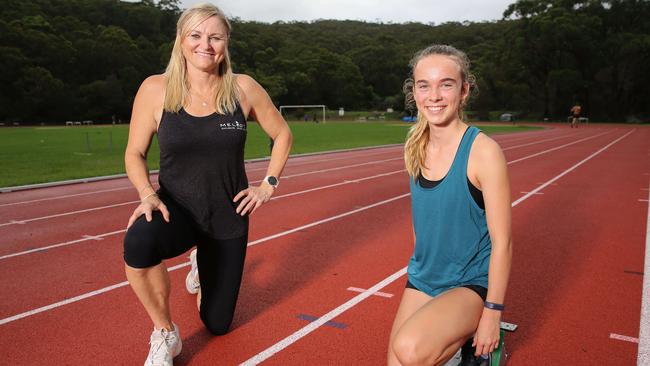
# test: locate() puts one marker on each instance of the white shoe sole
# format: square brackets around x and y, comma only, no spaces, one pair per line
[191,284]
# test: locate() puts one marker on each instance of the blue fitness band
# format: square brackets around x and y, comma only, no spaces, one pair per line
[493,306]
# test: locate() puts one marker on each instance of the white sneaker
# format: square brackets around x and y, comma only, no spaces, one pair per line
[192,283]
[165,345]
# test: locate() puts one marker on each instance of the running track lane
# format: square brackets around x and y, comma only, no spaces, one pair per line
[307,256]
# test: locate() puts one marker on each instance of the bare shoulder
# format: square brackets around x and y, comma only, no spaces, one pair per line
[148,104]
[486,150]
[246,83]
[153,87]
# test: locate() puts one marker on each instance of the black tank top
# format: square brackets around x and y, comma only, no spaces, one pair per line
[202,168]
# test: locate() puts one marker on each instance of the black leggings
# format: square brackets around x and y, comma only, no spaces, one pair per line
[220,262]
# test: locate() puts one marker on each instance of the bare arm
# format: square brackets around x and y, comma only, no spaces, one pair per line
[261,107]
[492,175]
[147,108]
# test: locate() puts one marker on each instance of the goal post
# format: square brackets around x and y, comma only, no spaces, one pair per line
[321,106]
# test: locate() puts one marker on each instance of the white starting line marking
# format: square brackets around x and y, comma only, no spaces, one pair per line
[378,293]
[92,237]
[623,338]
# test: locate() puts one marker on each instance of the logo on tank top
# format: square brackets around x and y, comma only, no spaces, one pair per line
[233,126]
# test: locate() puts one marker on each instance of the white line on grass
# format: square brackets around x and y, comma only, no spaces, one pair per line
[286,342]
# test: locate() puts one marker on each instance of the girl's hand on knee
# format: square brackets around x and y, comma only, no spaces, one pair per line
[146,208]
[487,334]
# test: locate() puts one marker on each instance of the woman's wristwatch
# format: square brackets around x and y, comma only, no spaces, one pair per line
[272,181]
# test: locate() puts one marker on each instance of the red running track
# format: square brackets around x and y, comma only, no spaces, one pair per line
[341,220]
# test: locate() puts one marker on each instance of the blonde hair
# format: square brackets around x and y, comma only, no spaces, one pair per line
[226,91]
[418,135]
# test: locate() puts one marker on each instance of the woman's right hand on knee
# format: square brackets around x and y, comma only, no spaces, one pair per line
[147,206]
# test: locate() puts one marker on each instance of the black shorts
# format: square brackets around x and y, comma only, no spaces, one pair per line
[479,290]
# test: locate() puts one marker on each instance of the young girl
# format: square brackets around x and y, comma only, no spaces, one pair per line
[459,270]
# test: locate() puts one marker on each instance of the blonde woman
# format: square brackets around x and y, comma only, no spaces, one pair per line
[459,270]
[198,108]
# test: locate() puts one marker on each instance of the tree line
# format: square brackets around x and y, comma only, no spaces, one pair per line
[84,59]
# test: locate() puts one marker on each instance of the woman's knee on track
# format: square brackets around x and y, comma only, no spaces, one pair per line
[217,325]
[140,245]
[410,351]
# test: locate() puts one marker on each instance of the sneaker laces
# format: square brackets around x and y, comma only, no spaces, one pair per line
[159,349]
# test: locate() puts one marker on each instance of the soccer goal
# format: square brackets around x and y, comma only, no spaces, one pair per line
[306,106]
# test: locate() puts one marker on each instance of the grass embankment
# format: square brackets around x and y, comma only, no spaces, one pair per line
[45,154]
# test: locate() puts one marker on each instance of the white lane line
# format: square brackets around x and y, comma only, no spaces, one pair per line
[121,284]
[643,358]
[379,151]
[322,320]
[537,142]
[84,238]
[643,200]
[76,298]
[386,150]
[378,293]
[65,196]
[556,148]
[338,184]
[92,237]
[336,168]
[624,338]
[533,193]
[12,222]
[572,168]
[286,342]
[327,219]
[89,237]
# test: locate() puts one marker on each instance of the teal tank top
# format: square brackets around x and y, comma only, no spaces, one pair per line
[452,243]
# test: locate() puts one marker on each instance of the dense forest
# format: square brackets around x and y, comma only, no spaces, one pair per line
[84,59]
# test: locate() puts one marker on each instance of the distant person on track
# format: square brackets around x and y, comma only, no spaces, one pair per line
[575,111]
[198,108]
[460,196]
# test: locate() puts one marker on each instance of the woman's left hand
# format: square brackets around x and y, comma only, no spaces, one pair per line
[487,334]
[252,198]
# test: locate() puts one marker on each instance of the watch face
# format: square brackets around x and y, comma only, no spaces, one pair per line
[272,180]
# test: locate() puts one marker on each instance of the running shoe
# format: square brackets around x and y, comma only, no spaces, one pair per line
[165,345]
[192,283]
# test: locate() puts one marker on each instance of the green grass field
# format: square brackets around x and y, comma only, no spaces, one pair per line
[45,154]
